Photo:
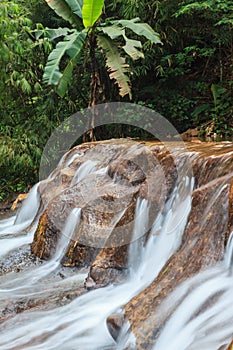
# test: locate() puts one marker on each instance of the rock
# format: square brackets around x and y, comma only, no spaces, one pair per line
[115,324]
[109,266]
[203,244]
[127,170]
[108,199]
[21,197]
[190,135]
[229,347]
[107,196]
[45,238]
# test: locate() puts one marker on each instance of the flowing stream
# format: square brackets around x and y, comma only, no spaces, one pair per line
[202,310]
[196,321]
[12,232]
[82,322]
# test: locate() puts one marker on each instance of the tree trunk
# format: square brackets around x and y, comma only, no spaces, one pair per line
[95,83]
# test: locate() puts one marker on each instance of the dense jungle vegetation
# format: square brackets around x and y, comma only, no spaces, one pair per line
[182,69]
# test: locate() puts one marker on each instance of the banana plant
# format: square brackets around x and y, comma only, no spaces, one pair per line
[111,37]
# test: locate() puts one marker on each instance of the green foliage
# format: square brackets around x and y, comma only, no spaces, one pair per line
[188,79]
[221,8]
[220,111]
[213,45]
[29,110]
[91,11]
[117,66]
[70,10]
[172,105]
[73,43]
[141,29]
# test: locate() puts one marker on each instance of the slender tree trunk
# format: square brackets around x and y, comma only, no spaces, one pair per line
[96,87]
[95,83]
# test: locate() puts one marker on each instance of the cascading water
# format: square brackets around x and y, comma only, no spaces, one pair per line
[140,226]
[86,168]
[203,315]
[25,281]
[16,241]
[24,217]
[14,227]
[67,234]
[86,326]
[196,321]
[30,207]
[168,224]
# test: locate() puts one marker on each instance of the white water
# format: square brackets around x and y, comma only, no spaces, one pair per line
[165,235]
[72,158]
[12,230]
[201,308]
[24,217]
[15,242]
[23,283]
[29,207]
[140,227]
[84,169]
[203,317]
[5,223]
[68,232]
[81,324]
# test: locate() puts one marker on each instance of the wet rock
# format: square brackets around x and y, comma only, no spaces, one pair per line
[229,347]
[110,266]
[107,199]
[45,237]
[115,324]
[126,171]
[210,162]
[18,261]
[5,212]
[169,169]
[190,135]
[203,244]
[42,301]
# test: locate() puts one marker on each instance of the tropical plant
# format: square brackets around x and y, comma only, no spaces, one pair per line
[29,111]
[110,38]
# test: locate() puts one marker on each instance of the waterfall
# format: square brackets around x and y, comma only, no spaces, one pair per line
[24,217]
[165,237]
[16,240]
[83,321]
[70,160]
[12,230]
[28,278]
[203,315]
[139,229]
[88,167]
[68,232]
[29,207]
[198,314]
[4,223]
